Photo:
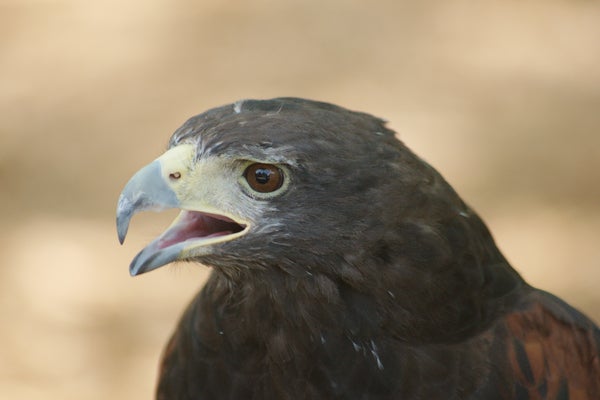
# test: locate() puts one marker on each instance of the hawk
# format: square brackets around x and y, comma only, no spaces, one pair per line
[343,267]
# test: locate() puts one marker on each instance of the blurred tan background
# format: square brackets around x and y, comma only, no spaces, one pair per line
[503,97]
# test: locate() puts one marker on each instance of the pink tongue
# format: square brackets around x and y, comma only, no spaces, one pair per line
[195,225]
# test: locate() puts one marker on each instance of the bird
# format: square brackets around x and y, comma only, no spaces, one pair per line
[343,266]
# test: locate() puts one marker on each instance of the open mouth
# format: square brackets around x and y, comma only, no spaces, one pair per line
[191,234]
[198,226]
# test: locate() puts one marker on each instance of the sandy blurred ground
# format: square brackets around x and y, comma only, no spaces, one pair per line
[503,97]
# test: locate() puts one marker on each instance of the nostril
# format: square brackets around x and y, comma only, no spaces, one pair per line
[175,175]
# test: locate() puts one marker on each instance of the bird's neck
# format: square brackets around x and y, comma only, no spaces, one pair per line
[265,305]
[285,319]
[311,308]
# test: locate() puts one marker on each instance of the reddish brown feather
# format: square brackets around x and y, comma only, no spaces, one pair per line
[553,354]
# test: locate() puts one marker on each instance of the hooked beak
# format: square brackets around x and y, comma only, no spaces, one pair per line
[169,182]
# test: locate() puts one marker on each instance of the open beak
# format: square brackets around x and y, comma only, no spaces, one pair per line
[168,182]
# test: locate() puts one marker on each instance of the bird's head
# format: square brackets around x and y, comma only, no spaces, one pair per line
[285,183]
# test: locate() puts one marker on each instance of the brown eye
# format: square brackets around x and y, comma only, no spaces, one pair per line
[264,178]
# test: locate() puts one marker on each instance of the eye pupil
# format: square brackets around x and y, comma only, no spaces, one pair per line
[264,178]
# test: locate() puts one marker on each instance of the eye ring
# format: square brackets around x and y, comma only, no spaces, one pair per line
[264,178]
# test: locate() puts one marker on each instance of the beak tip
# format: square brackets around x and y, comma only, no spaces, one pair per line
[121,230]
[152,257]
[125,210]
[134,269]
[138,266]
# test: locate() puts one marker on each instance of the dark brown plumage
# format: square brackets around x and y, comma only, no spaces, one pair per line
[345,267]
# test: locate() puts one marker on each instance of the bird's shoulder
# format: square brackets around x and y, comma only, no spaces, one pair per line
[551,350]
